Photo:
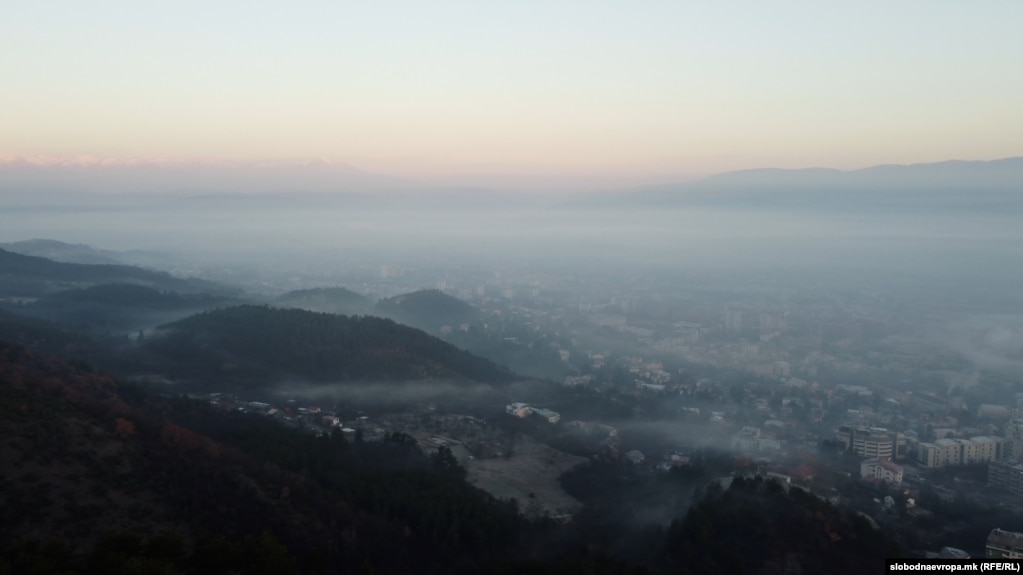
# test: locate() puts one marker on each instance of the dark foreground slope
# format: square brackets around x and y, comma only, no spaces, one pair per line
[253,344]
[50,338]
[757,526]
[99,478]
[97,481]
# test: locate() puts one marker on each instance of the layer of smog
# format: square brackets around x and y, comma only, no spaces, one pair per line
[599,369]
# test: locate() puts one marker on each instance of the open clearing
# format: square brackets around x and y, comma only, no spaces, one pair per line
[533,469]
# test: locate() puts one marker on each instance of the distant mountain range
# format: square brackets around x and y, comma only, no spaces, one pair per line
[95,184]
[1004,175]
[36,175]
[994,185]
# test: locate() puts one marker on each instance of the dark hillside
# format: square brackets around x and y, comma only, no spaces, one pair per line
[119,307]
[128,295]
[261,344]
[100,478]
[757,526]
[95,481]
[46,337]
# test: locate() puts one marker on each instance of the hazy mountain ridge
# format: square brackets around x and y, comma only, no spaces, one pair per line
[93,184]
[986,186]
[63,252]
[428,309]
[952,174]
[113,176]
[106,309]
[337,300]
[182,188]
[31,276]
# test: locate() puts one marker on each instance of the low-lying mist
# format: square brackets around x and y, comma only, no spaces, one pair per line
[401,395]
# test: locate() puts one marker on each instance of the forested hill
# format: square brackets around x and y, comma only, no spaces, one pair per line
[101,478]
[104,481]
[30,276]
[260,344]
[119,307]
[129,295]
[46,337]
[427,309]
[330,300]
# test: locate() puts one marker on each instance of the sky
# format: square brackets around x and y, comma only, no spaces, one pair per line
[507,89]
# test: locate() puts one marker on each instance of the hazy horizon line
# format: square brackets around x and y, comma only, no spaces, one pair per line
[94,160]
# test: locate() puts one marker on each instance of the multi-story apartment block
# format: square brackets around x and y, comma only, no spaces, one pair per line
[872,442]
[1007,474]
[1014,438]
[951,452]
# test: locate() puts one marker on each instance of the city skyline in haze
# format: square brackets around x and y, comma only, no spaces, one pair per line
[477,93]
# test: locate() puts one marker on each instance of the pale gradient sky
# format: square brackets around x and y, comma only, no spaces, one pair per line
[638,89]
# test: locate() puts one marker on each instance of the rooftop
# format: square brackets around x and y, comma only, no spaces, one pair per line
[1005,538]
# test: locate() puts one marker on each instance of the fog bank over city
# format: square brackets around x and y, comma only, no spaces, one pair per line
[939,241]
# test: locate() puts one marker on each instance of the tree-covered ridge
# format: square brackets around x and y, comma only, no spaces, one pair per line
[98,481]
[331,300]
[68,453]
[106,480]
[45,336]
[100,478]
[427,309]
[30,276]
[107,309]
[128,295]
[261,342]
[757,526]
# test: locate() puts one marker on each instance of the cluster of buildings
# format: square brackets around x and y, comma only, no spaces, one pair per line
[952,452]
[881,448]
[524,410]
[311,418]
[878,442]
